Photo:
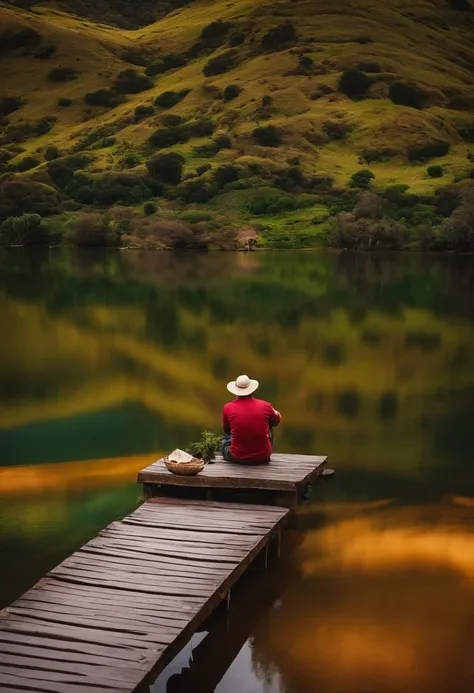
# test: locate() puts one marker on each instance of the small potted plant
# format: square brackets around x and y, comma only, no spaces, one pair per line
[206,447]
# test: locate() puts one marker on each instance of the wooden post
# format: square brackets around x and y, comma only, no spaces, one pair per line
[148,491]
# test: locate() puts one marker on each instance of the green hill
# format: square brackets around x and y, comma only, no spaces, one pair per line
[271,107]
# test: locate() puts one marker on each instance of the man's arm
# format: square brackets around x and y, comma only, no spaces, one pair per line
[274,417]
[225,421]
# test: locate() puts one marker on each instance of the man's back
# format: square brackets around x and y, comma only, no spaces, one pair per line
[249,420]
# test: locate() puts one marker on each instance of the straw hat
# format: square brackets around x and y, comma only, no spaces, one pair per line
[242,386]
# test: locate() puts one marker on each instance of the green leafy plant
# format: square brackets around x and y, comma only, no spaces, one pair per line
[206,447]
[361,179]
[435,171]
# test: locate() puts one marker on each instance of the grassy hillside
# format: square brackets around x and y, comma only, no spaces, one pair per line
[293,138]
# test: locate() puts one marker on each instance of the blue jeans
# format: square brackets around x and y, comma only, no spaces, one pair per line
[227,441]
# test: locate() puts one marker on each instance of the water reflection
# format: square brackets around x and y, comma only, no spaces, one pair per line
[384,602]
[109,358]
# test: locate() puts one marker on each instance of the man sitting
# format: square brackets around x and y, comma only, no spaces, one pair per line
[248,423]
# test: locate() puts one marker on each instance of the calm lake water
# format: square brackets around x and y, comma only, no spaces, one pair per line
[108,359]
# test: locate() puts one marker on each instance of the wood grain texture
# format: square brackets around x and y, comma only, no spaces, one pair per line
[126,602]
[284,473]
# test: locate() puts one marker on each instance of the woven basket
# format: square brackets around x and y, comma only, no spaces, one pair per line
[184,468]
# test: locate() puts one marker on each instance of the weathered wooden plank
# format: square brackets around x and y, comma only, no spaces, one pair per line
[148,535]
[148,562]
[108,594]
[59,657]
[84,670]
[127,655]
[114,625]
[17,680]
[96,609]
[166,587]
[89,635]
[140,568]
[158,549]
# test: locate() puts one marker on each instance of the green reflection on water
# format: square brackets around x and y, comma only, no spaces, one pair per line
[113,355]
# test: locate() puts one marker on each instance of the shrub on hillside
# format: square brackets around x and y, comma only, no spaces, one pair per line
[44,125]
[370,156]
[23,38]
[168,99]
[171,120]
[305,62]
[423,152]
[222,141]
[215,33]
[228,173]
[457,231]
[435,171]
[201,128]
[171,234]
[291,178]
[9,104]
[278,36]
[166,168]
[354,83]
[267,136]
[62,74]
[167,137]
[25,196]
[271,201]
[131,81]
[467,133]
[51,153]
[460,5]
[231,92]
[108,98]
[26,229]
[45,50]
[198,190]
[130,160]
[106,142]
[62,170]
[5,156]
[142,112]
[150,208]
[92,230]
[64,102]
[201,170]
[361,179]
[168,62]
[404,94]
[237,38]
[27,163]
[221,63]
[351,233]
[125,188]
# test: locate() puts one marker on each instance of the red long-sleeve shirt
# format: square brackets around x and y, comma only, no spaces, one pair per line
[248,420]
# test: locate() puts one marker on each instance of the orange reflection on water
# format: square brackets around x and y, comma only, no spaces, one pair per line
[431,536]
[385,602]
[77,476]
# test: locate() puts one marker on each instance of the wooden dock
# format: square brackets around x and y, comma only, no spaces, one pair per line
[116,612]
[281,481]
